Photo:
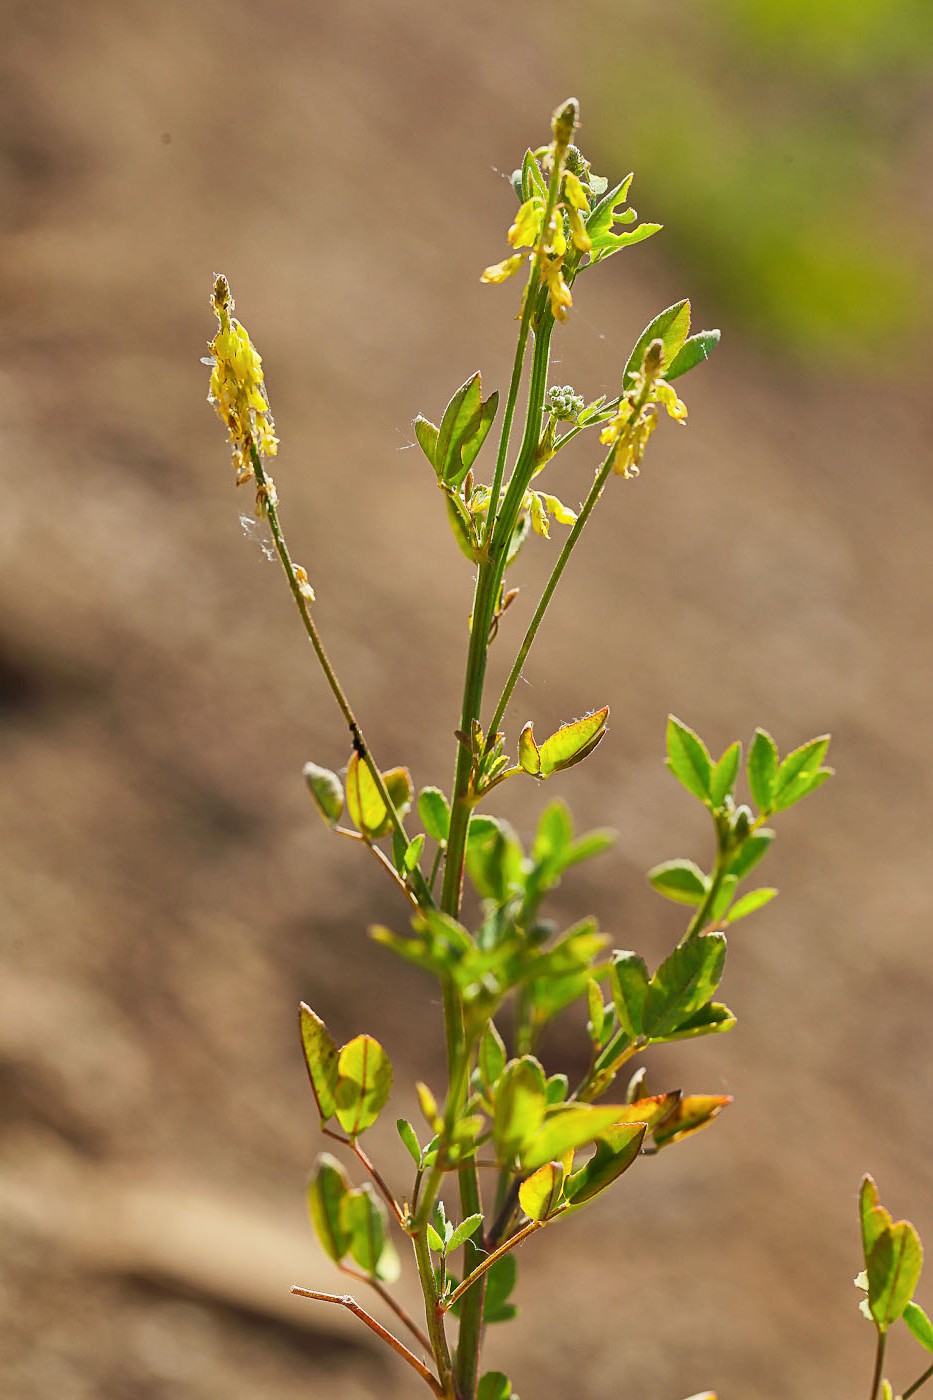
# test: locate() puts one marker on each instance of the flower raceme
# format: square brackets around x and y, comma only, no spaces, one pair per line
[637,416]
[238,392]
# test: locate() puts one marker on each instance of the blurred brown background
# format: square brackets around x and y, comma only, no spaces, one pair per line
[167,892]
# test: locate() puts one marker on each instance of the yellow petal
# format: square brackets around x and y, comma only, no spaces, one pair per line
[499,272]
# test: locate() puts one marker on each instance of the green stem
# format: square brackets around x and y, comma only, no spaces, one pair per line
[702,915]
[433,1314]
[879,1366]
[586,509]
[330,675]
[921,1380]
[509,412]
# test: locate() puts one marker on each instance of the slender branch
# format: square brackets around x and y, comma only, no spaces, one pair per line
[596,490]
[921,1380]
[509,412]
[330,675]
[389,1301]
[364,1159]
[344,1300]
[491,1259]
[879,1365]
[383,861]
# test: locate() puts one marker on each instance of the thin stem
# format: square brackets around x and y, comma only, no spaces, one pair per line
[364,1160]
[389,1301]
[921,1380]
[491,1259]
[702,915]
[330,675]
[433,1314]
[509,412]
[343,1300]
[383,861]
[879,1365]
[596,490]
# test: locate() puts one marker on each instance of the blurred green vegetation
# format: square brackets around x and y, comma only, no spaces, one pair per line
[785,145]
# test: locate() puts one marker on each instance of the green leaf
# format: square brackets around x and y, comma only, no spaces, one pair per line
[474,440]
[688,758]
[573,1126]
[807,759]
[554,834]
[492,1056]
[597,1011]
[683,983]
[722,780]
[628,978]
[894,1266]
[670,326]
[410,1138]
[363,1217]
[920,1325]
[321,1058]
[557,1087]
[521,1100]
[434,811]
[458,417]
[427,434]
[573,742]
[500,1280]
[364,1079]
[711,1019]
[872,1215]
[464,1230]
[327,1188]
[594,843]
[751,851]
[327,791]
[802,787]
[532,179]
[693,1112]
[413,852]
[615,1152]
[680,880]
[762,769]
[495,1385]
[434,1240]
[602,216]
[749,903]
[692,353]
[539,1194]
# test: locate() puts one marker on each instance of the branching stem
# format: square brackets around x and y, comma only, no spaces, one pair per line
[344,1300]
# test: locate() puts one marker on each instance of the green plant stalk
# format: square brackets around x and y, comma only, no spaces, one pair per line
[701,917]
[330,675]
[879,1365]
[486,593]
[433,1314]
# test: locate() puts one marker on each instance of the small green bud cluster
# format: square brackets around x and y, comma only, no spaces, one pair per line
[563,404]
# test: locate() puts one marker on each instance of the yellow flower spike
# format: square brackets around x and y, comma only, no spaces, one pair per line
[238,392]
[500,272]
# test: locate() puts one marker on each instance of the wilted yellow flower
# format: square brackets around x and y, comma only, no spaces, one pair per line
[238,392]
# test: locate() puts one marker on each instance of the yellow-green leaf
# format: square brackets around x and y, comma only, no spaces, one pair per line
[326,789]
[521,1100]
[539,1194]
[894,1266]
[528,755]
[695,1111]
[671,327]
[570,1127]
[364,1079]
[321,1058]
[328,1187]
[616,1150]
[572,742]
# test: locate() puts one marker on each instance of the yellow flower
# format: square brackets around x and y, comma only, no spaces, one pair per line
[499,272]
[237,389]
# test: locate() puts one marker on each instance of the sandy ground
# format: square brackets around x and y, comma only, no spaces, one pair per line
[167,895]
